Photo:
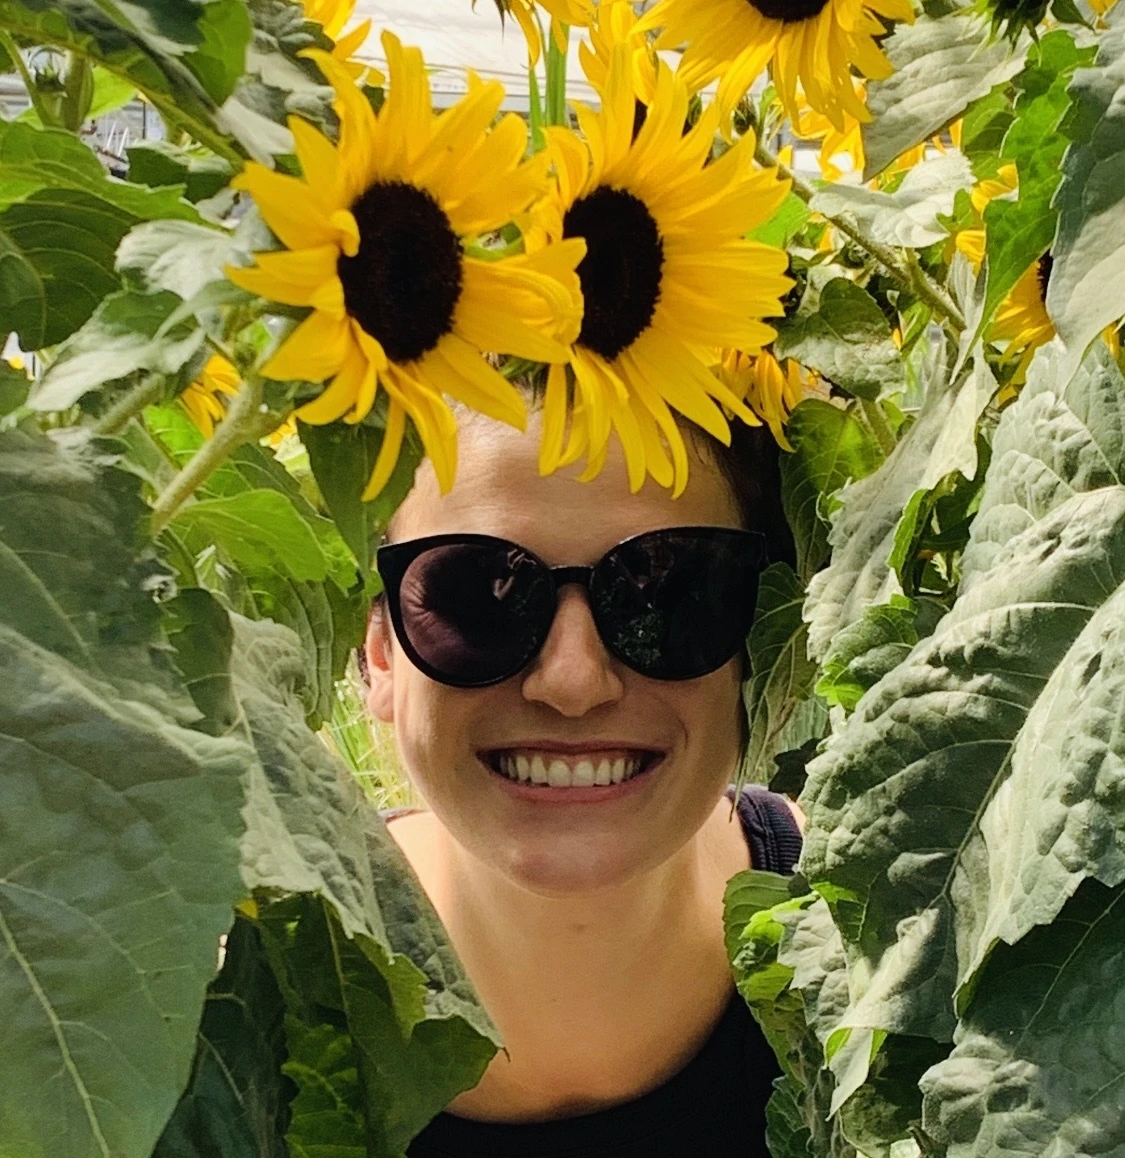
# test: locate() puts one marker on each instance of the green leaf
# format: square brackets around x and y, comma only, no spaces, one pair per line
[152,46]
[1040,1054]
[1019,232]
[119,872]
[33,160]
[1055,820]
[127,334]
[1086,290]
[789,219]
[1061,438]
[847,340]
[157,163]
[782,675]
[983,128]
[199,630]
[930,746]
[259,529]
[237,1101]
[328,1109]
[61,217]
[342,458]
[940,68]
[832,446]
[14,388]
[866,650]
[913,215]
[869,511]
[749,892]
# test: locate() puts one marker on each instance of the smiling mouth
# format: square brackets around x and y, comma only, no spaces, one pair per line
[548,769]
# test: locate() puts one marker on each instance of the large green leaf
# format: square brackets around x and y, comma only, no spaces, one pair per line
[914,214]
[939,747]
[1087,286]
[119,851]
[1040,1055]
[155,163]
[941,66]
[847,340]
[868,514]
[832,446]
[782,675]
[1019,232]
[126,334]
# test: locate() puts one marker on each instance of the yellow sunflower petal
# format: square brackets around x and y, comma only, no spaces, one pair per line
[316,349]
[456,368]
[387,458]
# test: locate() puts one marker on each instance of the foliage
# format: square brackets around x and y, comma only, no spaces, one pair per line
[187,568]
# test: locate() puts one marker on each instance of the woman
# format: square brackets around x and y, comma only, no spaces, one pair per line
[589,917]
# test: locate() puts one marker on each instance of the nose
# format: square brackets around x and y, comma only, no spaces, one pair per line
[573,673]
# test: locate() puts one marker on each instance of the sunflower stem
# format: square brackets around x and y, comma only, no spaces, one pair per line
[556,75]
[878,425]
[246,420]
[907,272]
[147,392]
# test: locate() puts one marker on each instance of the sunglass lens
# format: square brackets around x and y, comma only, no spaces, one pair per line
[676,605]
[475,613]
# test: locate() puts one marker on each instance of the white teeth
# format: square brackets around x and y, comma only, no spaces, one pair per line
[558,773]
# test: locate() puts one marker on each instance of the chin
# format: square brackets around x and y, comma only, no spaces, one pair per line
[565,871]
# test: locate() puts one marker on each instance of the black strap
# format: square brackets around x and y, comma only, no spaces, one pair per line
[770,827]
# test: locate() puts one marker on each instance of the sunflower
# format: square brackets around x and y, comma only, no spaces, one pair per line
[771,389]
[563,13]
[332,16]
[375,245]
[202,398]
[616,23]
[815,43]
[667,279]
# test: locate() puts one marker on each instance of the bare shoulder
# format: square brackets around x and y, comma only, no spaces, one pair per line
[798,814]
[413,832]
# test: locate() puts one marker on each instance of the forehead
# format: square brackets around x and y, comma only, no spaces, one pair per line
[499,491]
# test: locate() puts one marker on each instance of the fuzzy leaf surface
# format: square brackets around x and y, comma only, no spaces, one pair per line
[117,875]
[941,66]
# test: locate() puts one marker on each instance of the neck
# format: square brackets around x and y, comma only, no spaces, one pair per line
[572,983]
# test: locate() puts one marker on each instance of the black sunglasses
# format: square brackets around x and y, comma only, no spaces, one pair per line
[473,610]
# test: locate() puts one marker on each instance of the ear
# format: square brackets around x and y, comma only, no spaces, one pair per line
[378,650]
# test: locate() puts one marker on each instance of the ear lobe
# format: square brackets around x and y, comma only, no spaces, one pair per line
[380,681]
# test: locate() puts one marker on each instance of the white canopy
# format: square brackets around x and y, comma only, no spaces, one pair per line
[452,35]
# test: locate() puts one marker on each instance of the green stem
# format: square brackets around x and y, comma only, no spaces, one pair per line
[556,76]
[907,272]
[146,393]
[878,425]
[535,112]
[245,422]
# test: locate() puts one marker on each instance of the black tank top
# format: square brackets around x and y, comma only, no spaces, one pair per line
[714,1107]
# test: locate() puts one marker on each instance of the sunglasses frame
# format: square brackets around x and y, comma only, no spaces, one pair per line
[393,560]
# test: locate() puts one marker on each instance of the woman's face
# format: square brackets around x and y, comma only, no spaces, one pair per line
[575,700]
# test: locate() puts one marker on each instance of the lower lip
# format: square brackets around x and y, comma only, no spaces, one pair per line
[594,794]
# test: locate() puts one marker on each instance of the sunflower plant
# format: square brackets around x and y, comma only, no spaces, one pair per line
[891,233]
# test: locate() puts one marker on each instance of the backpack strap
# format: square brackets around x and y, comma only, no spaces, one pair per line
[770,827]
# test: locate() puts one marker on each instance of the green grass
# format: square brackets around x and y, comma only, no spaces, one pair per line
[367,747]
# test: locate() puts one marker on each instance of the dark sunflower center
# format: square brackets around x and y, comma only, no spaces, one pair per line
[1043,272]
[788,11]
[620,273]
[403,284]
